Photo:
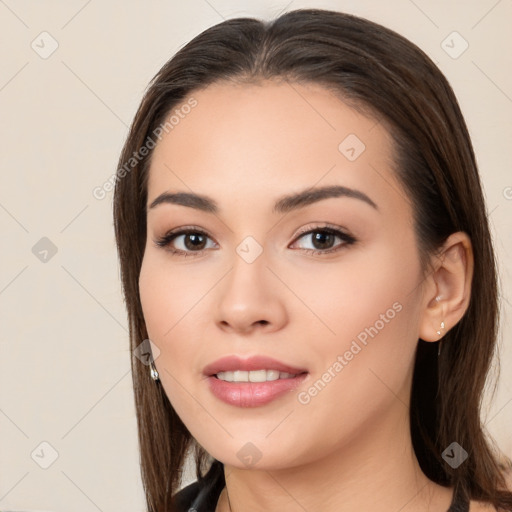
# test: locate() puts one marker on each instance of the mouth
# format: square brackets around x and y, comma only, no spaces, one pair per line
[252,369]
[252,382]
[255,375]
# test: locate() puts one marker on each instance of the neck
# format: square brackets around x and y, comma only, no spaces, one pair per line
[377,470]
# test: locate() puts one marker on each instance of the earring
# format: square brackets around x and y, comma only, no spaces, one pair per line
[154,372]
[438,298]
[439,342]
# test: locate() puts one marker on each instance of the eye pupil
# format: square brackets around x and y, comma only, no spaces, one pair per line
[197,241]
[324,238]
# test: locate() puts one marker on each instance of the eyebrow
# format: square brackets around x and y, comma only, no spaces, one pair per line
[284,204]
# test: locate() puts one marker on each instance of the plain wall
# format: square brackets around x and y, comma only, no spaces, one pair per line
[65,360]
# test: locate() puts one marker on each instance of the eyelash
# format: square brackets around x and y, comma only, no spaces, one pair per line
[347,239]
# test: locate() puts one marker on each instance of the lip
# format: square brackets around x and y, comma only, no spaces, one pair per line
[232,363]
[251,394]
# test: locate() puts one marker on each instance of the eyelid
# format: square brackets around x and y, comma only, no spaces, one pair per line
[169,236]
[187,228]
[341,233]
[347,239]
[312,227]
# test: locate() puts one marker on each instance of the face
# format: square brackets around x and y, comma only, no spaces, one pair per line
[328,285]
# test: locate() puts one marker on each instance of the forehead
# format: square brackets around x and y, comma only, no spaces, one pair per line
[257,139]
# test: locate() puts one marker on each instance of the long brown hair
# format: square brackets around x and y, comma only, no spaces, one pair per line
[384,75]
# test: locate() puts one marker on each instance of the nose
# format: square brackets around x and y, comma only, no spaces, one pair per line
[251,298]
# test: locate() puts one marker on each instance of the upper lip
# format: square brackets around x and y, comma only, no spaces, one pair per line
[232,363]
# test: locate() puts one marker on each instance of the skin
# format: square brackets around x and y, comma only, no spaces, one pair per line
[349,448]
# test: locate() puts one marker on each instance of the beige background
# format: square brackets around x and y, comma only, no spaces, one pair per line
[64,375]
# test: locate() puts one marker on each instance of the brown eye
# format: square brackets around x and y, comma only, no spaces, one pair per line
[194,241]
[323,240]
[185,242]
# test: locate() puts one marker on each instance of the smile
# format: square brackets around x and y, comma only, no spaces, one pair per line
[253,376]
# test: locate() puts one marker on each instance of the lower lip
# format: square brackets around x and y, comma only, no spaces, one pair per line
[252,394]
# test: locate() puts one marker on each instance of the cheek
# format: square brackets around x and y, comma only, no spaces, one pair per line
[168,293]
[165,302]
[154,297]
[368,326]
[364,371]
[366,288]
[173,299]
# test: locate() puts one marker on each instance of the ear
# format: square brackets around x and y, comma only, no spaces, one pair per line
[447,288]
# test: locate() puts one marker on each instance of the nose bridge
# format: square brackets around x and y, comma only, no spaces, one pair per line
[248,297]
[247,281]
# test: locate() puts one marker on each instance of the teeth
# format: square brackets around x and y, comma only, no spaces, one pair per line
[253,376]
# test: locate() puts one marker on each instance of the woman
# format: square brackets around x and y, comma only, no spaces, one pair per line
[303,238]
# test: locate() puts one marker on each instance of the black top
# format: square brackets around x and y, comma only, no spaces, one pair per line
[202,495]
